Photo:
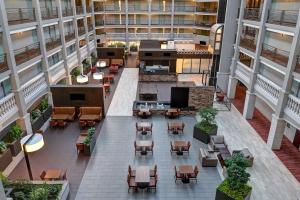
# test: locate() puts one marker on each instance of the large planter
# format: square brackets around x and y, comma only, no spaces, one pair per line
[47,113]
[5,159]
[202,136]
[222,196]
[37,123]
[88,149]
[15,147]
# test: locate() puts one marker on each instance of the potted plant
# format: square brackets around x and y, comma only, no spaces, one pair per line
[37,120]
[76,72]
[45,109]
[133,48]
[207,126]
[235,186]
[89,142]
[5,156]
[41,193]
[13,139]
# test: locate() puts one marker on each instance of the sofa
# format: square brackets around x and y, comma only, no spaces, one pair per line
[207,158]
[217,142]
[93,112]
[70,111]
[246,154]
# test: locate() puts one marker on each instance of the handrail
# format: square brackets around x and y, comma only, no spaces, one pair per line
[79,10]
[49,13]
[134,22]
[20,15]
[283,17]
[113,8]
[184,22]
[69,36]
[51,43]
[137,8]
[247,43]
[277,55]
[114,22]
[67,12]
[293,104]
[27,53]
[252,14]
[267,85]
[162,8]
[99,8]
[185,8]
[7,105]
[207,10]
[3,63]
[81,30]
[203,24]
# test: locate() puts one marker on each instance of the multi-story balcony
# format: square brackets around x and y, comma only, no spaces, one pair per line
[204,24]
[206,10]
[184,22]
[79,10]
[67,12]
[98,8]
[27,53]
[20,15]
[69,36]
[247,43]
[81,30]
[276,55]
[158,22]
[49,13]
[137,22]
[138,8]
[184,8]
[114,22]
[52,43]
[246,60]
[160,8]
[88,9]
[3,63]
[283,17]
[252,14]
[114,8]
[297,68]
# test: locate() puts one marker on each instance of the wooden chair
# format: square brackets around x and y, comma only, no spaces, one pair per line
[131,172]
[153,183]
[79,147]
[187,148]
[131,184]
[177,175]
[90,123]
[150,149]
[153,172]
[43,174]
[62,123]
[194,175]
[173,149]
[137,149]
[53,123]
[82,124]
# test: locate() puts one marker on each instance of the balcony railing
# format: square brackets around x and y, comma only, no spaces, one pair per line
[3,63]
[268,86]
[116,35]
[114,8]
[20,15]
[184,8]
[204,24]
[252,14]
[90,27]
[69,36]
[277,55]
[207,10]
[283,17]
[98,8]
[115,22]
[184,22]
[297,68]
[138,35]
[166,22]
[81,30]
[246,60]
[184,35]
[99,23]
[161,35]
[79,10]
[132,8]
[67,12]
[52,43]
[293,106]
[27,53]
[49,13]
[8,106]
[139,22]
[248,43]
[160,8]
[88,9]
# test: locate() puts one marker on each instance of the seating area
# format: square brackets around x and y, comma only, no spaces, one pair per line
[88,116]
[61,115]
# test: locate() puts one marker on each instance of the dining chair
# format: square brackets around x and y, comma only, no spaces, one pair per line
[153,183]
[53,123]
[82,124]
[150,149]
[137,149]
[79,147]
[43,174]
[131,172]
[63,175]
[131,184]
[194,175]
[177,176]
[62,123]
[187,148]
[172,150]
[153,172]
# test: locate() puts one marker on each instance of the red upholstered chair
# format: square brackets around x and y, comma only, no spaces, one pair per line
[113,69]
[93,69]
[53,123]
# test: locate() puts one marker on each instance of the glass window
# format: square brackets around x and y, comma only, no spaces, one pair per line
[295,90]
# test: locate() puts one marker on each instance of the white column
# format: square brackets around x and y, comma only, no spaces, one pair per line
[126,26]
[276,132]
[73,3]
[249,105]
[231,87]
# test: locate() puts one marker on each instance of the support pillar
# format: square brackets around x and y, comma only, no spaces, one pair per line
[231,87]
[24,122]
[249,105]
[276,132]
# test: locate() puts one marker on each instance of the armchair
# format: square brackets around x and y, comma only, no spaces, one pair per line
[208,158]
[217,142]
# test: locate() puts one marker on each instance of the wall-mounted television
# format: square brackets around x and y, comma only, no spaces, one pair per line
[180,97]
[110,53]
[77,97]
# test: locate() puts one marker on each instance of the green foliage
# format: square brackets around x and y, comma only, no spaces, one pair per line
[43,105]
[3,147]
[89,137]
[117,44]
[207,123]
[4,179]
[76,72]
[235,194]
[19,195]
[14,133]
[133,48]
[41,193]
[235,185]
[35,114]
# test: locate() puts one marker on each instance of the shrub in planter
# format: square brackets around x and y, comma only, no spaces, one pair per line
[43,105]
[37,120]
[39,194]
[235,187]
[13,139]
[5,156]
[45,109]
[207,126]
[133,48]
[89,142]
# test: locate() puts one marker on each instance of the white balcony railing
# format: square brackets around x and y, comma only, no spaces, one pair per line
[57,71]
[267,89]
[116,35]
[34,87]
[8,107]
[293,108]
[184,36]
[72,60]
[160,35]
[138,35]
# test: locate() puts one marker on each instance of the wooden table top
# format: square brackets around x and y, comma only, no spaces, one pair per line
[88,117]
[142,174]
[186,169]
[144,124]
[53,174]
[144,109]
[179,143]
[144,143]
[80,139]
[59,117]
[172,110]
[175,124]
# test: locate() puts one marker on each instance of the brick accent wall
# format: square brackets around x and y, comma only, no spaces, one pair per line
[158,77]
[202,96]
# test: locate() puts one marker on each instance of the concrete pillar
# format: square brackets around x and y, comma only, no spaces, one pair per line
[231,87]
[85,26]
[25,123]
[73,3]
[127,32]
[249,105]
[172,19]
[276,132]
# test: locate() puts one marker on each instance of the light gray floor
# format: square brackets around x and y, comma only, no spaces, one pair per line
[270,179]
[105,176]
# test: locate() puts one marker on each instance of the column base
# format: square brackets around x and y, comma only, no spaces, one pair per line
[231,87]
[249,105]
[276,132]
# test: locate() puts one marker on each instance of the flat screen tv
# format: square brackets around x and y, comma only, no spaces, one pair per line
[179,97]
[110,53]
[77,97]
